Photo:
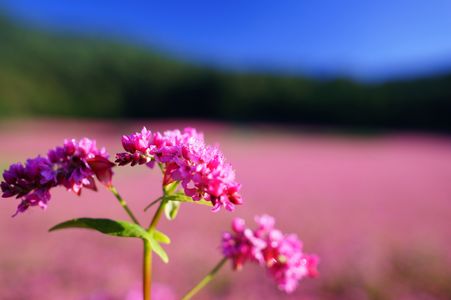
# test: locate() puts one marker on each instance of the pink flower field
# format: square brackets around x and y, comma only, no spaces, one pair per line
[376,210]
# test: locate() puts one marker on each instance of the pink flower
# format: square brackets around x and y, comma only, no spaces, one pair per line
[201,169]
[137,148]
[242,245]
[31,182]
[281,254]
[286,262]
[77,163]
[74,166]
[102,168]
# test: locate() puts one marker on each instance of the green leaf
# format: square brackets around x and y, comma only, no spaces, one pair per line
[161,237]
[181,197]
[171,209]
[120,229]
[178,197]
[158,250]
[153,203]
[106,226]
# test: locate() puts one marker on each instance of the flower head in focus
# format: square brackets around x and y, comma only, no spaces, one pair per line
[281,254]
[73,165]
[184,157]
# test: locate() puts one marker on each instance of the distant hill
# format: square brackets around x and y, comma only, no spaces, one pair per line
[48,74]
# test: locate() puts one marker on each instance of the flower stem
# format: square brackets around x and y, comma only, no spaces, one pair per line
[167,191]
[123,204]
[147,261]
[205,280]
[157,216]
[147,271]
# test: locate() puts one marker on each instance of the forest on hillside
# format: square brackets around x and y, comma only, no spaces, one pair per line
[50,74]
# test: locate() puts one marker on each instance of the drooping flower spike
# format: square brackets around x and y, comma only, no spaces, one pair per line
[201,169]
[31,182]
[73,166]
[281,254]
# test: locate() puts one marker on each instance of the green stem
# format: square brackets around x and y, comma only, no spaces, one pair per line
[205,280]
[124,204]
[167,190]
[157,216]
[147,271]
[147,261]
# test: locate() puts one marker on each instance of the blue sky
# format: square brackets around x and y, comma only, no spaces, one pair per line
[365,39]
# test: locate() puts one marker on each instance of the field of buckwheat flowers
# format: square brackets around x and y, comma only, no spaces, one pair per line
[376,210]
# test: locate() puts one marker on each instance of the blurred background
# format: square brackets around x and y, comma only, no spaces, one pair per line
[335,115]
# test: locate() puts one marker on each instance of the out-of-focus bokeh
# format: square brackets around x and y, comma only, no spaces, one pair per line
[334,115]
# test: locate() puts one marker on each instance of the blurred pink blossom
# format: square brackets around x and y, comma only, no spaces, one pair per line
[281,254]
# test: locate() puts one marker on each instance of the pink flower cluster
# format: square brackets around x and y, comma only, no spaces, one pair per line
[280,253]
[73,166]
[201,169]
